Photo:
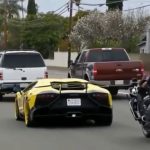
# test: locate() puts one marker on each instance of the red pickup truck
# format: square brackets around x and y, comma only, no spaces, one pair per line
[108,67]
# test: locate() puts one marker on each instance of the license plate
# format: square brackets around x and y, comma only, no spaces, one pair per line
[24,85]
[73,102]
[119,82]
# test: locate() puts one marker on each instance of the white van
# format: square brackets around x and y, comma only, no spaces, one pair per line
[20,68]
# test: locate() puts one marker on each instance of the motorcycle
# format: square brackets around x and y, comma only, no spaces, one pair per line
[140,108]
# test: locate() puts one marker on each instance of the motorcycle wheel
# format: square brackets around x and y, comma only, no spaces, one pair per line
[146,132]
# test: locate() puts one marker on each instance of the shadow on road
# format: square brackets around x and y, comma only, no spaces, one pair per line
[121,96]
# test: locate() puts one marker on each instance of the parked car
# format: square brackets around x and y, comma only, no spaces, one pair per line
[110,68]
[63,98]
[20,68]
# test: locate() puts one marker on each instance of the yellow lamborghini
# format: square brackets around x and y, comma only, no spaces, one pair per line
[63,98]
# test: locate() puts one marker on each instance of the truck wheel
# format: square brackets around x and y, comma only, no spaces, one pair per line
[114,91]
[1,97]
[69,76]
[86,78]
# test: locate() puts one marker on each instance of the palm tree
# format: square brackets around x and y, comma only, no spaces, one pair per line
[11,8]
[113,4]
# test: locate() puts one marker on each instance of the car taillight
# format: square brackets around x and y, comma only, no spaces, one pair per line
[45,74]
[94,71]
[1,75]
[45,99]
[101,98]
[141,71]
[142,68]
[50,96]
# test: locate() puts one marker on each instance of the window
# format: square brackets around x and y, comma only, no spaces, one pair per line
[107,55]
[82,57]
[22,60]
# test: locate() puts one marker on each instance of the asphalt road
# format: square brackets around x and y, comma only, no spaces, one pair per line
[123,134]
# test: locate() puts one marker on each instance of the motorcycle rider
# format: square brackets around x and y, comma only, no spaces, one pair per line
[143,90]
[144,86]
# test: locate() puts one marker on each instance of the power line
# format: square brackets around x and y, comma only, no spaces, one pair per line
[137,8]
[62,12]
[66,4]
[100,4]
[65,9]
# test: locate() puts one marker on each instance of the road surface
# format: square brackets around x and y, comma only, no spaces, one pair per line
[123,134]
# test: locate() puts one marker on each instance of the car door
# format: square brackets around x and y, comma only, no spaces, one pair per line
[77,70]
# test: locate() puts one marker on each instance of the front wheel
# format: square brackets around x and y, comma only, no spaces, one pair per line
[146,132]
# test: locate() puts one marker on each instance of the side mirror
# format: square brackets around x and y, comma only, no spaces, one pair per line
[17,88]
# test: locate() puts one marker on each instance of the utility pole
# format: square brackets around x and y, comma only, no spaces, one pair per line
[70,28]
[22,9]
[5,24]
[22,29]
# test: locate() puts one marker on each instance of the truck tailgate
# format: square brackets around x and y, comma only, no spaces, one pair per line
[23,74]
[122,70]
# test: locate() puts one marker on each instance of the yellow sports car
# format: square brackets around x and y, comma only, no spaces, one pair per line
[63,98]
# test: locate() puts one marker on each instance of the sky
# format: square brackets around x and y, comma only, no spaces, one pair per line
[52,5]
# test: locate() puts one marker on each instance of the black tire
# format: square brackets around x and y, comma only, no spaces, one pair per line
[146,132]
[86,78]
[104,121]
[114,91]
[1,97]
[69,76]
[27,117]
[17,113]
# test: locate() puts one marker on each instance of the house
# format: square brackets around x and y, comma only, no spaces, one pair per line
[144,45]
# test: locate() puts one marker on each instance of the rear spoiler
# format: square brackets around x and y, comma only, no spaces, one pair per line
[71,85]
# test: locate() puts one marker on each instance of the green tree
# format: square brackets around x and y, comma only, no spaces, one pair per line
[12,8]
[15,33]
[114,4]
[109,30]
[79,15]
[31,8]
[44,33]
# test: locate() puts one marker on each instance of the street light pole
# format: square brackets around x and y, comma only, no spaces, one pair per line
[70,28]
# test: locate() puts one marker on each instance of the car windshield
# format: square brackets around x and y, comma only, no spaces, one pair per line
[107,55]
[22,60]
